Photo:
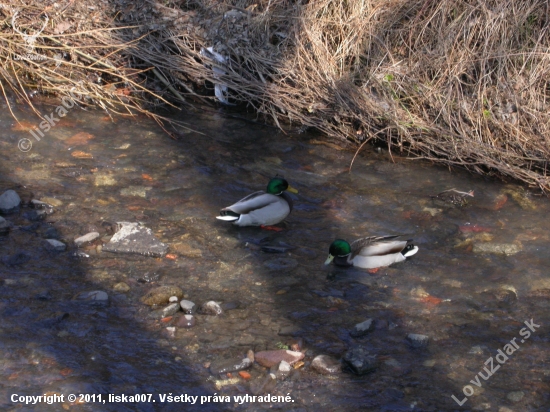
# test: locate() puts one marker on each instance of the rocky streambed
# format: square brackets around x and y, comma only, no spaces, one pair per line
[116,278]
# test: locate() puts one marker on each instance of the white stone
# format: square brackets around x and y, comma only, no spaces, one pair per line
[86,238]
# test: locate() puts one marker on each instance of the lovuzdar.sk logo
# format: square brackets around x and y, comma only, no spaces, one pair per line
[29,35]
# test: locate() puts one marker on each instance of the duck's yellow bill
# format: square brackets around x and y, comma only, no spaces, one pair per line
[329,259]
[291,189]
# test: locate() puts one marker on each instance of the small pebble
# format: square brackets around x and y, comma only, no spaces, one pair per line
[170,310]
[417,341]
[186,321]
[211,308]
[188,307]
[515,396]
[87,238]
[121,287]
[361,329]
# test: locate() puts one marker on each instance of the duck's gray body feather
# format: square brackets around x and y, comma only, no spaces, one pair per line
[377,251]
[260,208]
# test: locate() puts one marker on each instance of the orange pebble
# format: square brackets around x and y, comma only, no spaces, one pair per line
[244,375]
[431,300]
[171,256]
[166,319]
[146,177]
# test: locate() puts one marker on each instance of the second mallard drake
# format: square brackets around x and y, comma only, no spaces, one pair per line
[370,252]
[261,208]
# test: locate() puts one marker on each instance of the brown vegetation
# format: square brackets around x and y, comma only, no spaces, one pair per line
[460,82]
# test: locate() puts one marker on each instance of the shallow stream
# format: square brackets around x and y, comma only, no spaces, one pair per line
[482,270]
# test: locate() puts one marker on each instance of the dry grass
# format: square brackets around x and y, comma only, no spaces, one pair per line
[459,82]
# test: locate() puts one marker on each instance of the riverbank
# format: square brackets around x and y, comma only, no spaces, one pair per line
[457,82]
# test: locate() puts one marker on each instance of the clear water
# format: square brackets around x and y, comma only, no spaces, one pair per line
[468,302]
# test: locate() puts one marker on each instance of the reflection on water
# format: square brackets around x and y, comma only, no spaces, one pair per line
[482,270]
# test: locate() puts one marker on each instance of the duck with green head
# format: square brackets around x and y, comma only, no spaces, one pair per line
[370,252]
[261,208]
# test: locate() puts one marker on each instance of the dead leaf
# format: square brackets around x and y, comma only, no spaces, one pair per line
[81,155]
[80,138]
[61,27]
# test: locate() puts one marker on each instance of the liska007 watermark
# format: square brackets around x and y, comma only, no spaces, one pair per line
[67,103]
[501,358]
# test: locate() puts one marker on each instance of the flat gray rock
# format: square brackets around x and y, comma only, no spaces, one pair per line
[94,297]
[89,237]
[361,329]
[9,200]
[55,244]
[134,238]
[326,365]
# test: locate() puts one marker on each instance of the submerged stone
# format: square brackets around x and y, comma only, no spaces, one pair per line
[326,365]
[9,201]
[4,226]
[121,287]
[134,238]
[56,245]
[361,329]
[94,297]
[515,396]
[360,361]
[89,237]
[42,206]
[263,385]
[51,201]
[417,340]
[188,307]
[19,258]
[270,358]
[161,295]
[186,321]
[170,310]
[34,215]
[497,248]
[211,308]
[231,365]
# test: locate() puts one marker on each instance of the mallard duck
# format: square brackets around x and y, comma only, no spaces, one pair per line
[370,252]
[261,208]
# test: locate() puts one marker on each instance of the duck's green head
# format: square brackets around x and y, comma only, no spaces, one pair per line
[338,248]
[278,185]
